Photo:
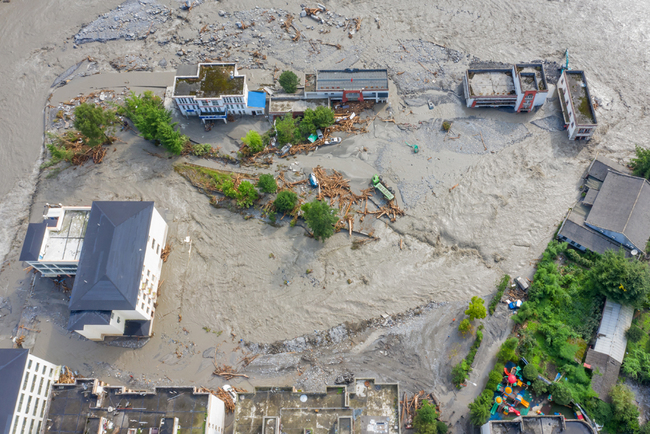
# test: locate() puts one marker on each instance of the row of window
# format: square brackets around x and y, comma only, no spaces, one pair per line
[233,99]
[25,421]
[28,405]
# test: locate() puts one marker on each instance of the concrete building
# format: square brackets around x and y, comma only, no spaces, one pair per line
[212,91]
[115,289]
[25,382]
[89,406]
[522,87]
[369,408]
[608,353]
[348,85]
[537,425]
[577,107]
[614,212]
[53,246]
[279,106]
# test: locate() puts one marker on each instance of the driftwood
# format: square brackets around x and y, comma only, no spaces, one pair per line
[227,372]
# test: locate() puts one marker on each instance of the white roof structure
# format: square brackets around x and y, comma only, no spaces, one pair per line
[611,333]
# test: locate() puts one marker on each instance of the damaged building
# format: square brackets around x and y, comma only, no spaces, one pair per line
[537,425]
[368,408]
[577,109]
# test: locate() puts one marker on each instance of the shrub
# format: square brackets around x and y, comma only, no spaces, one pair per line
[465,326]
[59,153]
[619,279]
[641,164]
[424,421]
[92,121]
[201,149]
[561,393]
[446,125]
[253,141]
[507,351]
[578,258]
[476,309]
[267,184]
[539,387]
[494,379]
[443,428]
[634,333]
[320,218]
[497,297]
[459,373]
[286,129]
[289,81]
[479,410]
[286,201]
[530,372]
[625,411]
[246,194]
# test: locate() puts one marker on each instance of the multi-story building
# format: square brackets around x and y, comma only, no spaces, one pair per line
[116,285]
[25,382]
[53,246]
[577,108]
[522,87]
[212,91]
[348,85]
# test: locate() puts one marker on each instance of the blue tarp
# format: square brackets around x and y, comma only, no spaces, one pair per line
[257,99]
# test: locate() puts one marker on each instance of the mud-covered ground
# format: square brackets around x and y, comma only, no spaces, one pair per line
[513,187]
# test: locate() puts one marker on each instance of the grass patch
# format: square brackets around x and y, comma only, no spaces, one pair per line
[583,107]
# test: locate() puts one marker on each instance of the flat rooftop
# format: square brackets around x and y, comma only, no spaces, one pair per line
[577,85]
[212,81]
[351,79]
[65,243]
[532,77]
[294,105]
[491,82]
[71,404]
[367,408]
[539,425]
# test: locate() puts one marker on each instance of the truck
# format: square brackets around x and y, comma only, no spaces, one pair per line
[377,183]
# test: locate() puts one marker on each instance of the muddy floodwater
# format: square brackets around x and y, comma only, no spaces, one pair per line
[477,206]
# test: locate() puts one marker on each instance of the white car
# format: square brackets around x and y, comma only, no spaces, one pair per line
[333,141]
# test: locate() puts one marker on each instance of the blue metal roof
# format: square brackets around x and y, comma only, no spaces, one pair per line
[257,99]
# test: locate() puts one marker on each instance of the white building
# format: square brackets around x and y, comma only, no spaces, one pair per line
[53,246]
[25,382]
[522,87]
[211,91]
[577,108]
[116,285]
[348,85]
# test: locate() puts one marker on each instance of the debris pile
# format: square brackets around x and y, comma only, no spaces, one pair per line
[66,376]
[164,254]
[410,405]
[223,395]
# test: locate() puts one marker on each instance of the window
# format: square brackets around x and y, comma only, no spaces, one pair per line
[26,380]
[29,364]
[20,402]
[38,428]
[118,319]
[153,243]
[31,426]
[22,429]
[147,309]
[15,425]
[112,315]
[147,272]
[33,384]
[37,365]
[36,406]
[47,389]
[29,402]
[142,305]
[40,386]
[52,369]
[44,369]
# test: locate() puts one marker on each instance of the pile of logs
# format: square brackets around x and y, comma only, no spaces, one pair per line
[337,189]
[66,376]
[411,405]
[391,210]
[164,254]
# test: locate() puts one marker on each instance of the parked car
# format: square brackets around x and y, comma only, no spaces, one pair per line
[319,133]
[523,283]
[284,149]
[333,141]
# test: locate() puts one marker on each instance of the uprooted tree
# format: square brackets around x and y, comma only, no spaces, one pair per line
[320,218]
[93,122]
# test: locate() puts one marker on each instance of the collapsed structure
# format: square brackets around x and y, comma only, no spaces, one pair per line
[537,425]
[370,408]
[114,249]
[25,382]
[575,101]
[613,213]
[522,87]
[89,406]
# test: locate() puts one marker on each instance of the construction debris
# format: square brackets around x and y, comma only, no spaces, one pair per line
[164,254]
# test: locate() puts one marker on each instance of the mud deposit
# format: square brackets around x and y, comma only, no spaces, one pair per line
[479,206]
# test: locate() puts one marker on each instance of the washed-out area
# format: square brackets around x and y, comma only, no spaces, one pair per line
[476,206]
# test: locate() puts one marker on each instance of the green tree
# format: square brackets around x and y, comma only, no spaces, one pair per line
[620,279]
[561,393]
[59,153]
[323,117]
[286,201]
[289,81]
[530,372]
[459,373]
[92,121]
[443,428]
[634,333]
[624,409]
[539,387]
[424,421]
[320,218]
[465,326]
[171,139]
[507,351]
[307,124]
[636,364]
[494,379]
[476,309]
[246,194]
[479,410]
[641,164]
[286,129]
[645,429]
[267,183]
[253,141]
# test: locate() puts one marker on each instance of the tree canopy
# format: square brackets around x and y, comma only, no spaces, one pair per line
[246,194]
[507,351]
[286,129]
[92,121]
[253,141]
[476,309]
[267,183]
[625,411]
[465,326]
[320,218]
[620,279]
[289,81]
[641,164]
[322,117]
[561,393]
[286,201]
[425,421]
[479,410]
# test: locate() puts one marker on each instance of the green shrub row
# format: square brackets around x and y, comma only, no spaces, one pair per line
[576,257]
[500,290]
[461,370]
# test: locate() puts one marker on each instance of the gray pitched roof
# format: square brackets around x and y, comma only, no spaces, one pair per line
[602,165]
[80,318]
[12,365]
[110,267]
[623,206]
[575,230]
[611,338]
[352,79]
[33,241]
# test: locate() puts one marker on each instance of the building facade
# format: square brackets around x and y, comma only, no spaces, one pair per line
[25,383]
[212,91]
[521,87]
[348,85]
[577,108]
[115,290]
[53,246]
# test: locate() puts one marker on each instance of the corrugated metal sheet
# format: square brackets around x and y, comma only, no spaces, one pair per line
[611,334]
